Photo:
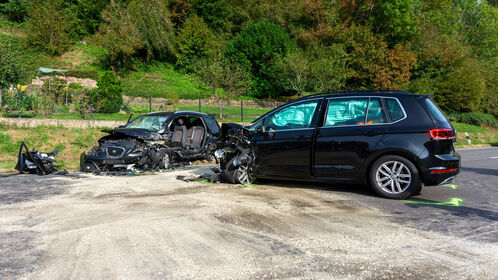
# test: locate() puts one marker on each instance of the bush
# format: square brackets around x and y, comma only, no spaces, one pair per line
[10,100]
[108,95]
[479,119]
[258,48]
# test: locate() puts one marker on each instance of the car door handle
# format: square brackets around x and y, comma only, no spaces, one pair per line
[370,133]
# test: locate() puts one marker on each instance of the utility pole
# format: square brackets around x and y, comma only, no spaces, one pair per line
[20,99]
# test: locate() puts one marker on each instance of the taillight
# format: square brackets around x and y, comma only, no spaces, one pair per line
[439,171]
[441,134]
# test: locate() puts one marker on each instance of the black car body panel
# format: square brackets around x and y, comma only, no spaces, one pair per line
[344,151]
[153,141]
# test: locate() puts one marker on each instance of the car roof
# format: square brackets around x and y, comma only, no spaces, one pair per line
[379,92]
[162,113]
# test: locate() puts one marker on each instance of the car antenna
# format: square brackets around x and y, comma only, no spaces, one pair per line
[129,118]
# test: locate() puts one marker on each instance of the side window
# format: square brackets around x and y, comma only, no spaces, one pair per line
[292,117]
[376,113]
[346,111]
[395,111]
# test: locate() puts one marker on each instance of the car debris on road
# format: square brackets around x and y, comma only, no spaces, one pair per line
[35,162]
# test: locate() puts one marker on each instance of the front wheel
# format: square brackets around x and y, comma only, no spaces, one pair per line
[394,177]
[240,174]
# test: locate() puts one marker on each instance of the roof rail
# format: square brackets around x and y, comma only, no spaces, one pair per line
[356,91]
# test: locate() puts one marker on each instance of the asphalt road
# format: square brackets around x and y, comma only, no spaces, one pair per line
[468,208]
[156,227]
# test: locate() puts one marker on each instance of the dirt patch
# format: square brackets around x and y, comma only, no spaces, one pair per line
[156,227]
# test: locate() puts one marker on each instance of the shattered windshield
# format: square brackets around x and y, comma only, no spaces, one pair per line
[152,123]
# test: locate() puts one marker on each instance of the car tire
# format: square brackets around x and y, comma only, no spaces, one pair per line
[395,177]
[239,175]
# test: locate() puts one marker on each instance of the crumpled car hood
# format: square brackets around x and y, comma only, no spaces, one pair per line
[138,133]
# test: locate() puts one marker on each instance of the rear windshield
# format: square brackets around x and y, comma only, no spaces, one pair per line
[434,110]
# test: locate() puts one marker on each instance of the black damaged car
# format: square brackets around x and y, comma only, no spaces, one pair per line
[393,141]
[153,141]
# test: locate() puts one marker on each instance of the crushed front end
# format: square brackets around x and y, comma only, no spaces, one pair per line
[120,152]
[235,154]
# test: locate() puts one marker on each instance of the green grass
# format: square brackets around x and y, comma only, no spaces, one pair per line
[74,116]
[70,142]
[478,135]
[462,127]
[161,80]
[226,110]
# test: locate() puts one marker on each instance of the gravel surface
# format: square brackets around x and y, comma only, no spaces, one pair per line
[156,227]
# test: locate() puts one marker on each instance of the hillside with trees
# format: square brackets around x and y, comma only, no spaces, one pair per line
[266,49]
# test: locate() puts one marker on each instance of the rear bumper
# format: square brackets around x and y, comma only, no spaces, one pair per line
[442,169]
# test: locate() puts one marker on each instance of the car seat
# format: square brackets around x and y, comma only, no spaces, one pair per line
[195,135]
[179,137]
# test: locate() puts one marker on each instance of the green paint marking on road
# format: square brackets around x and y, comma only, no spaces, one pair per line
[248,186]
[451,186]
[454,201]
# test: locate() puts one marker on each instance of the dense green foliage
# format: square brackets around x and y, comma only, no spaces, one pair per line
[108,96]
[478,119]
[447,48]
[257,48]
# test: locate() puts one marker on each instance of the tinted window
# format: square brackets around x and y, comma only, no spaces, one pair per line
[376,113]
[292,117]
[345,111]
[395,111]
[435,110]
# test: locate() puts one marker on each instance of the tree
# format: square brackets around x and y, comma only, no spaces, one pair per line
[180,10]
[395,72]
[151,19]
[49,25]
[214,13]
[16,10]
[108,95]
[366,52]
[225,80]
[397,20]
[11,68]
[294,72]
[329,67]
[256,48]
[194,41]
[89,14]
[119,35]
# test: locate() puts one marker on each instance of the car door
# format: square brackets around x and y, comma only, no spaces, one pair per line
[283,149]
[351,129]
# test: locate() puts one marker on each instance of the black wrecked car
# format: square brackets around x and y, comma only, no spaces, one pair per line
[394,141]
[153,141]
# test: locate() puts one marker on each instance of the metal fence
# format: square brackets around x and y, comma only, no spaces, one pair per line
[28,103]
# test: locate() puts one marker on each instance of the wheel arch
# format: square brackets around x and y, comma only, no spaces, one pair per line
[396,152]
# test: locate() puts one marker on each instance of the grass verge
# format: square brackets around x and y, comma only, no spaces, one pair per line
[70,142]
[161,80]
[479,136]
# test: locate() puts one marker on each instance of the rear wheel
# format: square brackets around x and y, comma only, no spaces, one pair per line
[394,177]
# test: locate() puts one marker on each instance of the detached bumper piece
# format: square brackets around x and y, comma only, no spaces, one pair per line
[34,162]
